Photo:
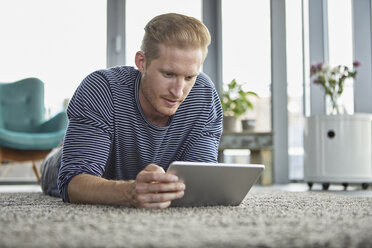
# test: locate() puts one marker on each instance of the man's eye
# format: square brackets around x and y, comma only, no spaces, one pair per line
[189,78]
[168,74]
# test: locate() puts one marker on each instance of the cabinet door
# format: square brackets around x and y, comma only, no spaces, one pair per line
[346,148]
[312,149]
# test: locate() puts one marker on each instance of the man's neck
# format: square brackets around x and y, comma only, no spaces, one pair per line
[160,122]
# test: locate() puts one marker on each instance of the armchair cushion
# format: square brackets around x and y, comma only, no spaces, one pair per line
[22,122]
[22,105]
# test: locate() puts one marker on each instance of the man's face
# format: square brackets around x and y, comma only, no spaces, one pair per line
[167,81]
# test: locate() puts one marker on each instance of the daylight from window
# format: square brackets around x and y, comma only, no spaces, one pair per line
[295,78]
[246,53]
[341,44]
[59,42]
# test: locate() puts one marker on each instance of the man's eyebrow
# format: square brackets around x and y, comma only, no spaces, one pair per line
[167,71]
[193,75]
[172,72]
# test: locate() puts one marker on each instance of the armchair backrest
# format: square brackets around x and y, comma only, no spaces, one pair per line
[22,105]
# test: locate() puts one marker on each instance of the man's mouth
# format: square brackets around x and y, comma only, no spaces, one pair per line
[171,102]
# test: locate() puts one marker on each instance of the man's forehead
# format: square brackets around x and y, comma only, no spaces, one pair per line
[166,47]
[187,71]
[174,59]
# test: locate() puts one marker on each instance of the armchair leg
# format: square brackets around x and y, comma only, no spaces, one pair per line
[24,155]
[36,171]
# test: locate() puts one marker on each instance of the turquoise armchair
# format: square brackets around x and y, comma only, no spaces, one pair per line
[24,132]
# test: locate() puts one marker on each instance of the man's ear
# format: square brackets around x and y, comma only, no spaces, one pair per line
[140,61]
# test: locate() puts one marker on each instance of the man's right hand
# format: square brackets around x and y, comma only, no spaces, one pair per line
[155,188]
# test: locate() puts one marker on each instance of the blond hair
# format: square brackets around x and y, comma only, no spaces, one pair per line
[174,30]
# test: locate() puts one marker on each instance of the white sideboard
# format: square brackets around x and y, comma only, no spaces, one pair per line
[338,149]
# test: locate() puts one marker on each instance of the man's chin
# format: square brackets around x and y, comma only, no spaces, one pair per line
[170,111]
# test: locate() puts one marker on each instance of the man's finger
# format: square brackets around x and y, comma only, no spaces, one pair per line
[156,177]
[154,167]
[159,187]
[158,198]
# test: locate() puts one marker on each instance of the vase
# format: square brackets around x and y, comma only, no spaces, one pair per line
[334,105]
[231,124]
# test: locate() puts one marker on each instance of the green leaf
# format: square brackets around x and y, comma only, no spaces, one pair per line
[235,100]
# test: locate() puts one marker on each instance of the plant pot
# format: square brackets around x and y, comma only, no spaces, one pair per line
[231,124]
[248,125]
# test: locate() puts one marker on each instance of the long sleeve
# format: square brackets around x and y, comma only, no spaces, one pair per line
[89,135]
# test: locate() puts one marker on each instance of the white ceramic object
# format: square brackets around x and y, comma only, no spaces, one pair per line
[338,149]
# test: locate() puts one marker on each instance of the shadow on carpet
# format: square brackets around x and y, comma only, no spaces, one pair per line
[266,218]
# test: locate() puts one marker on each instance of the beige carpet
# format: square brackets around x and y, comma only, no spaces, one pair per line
[267,218]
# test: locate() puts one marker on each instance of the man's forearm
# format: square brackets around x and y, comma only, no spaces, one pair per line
[90,189]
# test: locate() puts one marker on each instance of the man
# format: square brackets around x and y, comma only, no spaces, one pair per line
[127,125]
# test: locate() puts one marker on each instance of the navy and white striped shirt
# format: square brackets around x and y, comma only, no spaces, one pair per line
[109,136]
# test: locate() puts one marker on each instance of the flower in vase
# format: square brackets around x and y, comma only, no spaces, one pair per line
[332,80]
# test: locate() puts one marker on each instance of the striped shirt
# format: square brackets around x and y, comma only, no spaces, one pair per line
[109,136]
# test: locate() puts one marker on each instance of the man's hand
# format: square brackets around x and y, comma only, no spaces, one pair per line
[154,188]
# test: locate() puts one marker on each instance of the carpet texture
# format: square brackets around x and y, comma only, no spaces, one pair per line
[266,218]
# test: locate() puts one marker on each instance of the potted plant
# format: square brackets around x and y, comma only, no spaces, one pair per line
[235,102]
[332,80]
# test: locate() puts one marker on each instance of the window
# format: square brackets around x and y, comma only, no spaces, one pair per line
[341,44]
[246,52]
[140,12]
[297,56]
[59,42]
[340,52]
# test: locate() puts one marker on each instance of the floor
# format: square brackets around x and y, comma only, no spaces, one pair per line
[19,188]
[353,191]
[18,177]
[14,171]
[21,178]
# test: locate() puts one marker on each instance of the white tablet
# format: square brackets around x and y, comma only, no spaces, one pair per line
[211,184]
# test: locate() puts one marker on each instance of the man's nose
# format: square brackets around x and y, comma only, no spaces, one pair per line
[177,88]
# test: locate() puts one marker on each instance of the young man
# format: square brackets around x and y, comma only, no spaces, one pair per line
[127,125]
